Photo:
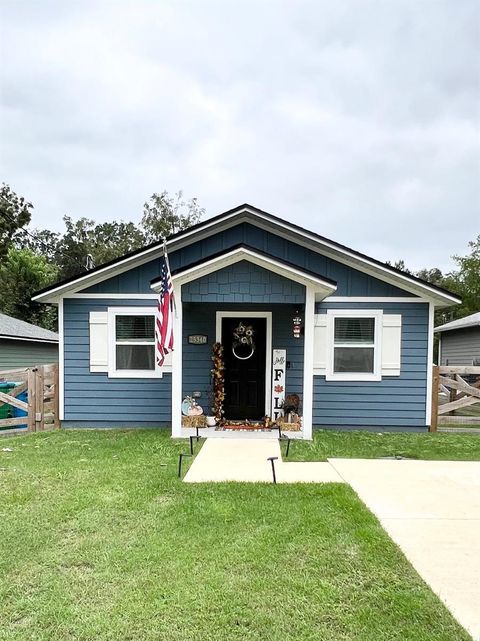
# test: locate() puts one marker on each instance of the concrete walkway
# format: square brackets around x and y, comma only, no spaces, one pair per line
[245,460]
[431,509]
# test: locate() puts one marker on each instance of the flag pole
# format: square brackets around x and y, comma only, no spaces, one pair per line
[167,263]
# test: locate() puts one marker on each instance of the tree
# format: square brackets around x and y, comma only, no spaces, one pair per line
[103,242]
[15,213]
[164,215]
[399,264]
[466,281]
[22,272]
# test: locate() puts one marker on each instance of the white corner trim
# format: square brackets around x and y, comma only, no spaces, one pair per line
[428,400]
[245,313]
[112,371]
[376,375]
[308,372]
[61,362]
[177,365]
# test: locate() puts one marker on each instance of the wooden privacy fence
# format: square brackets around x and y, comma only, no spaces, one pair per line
[455,388]
[42,405]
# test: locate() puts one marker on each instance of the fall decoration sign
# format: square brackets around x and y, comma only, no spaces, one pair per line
[279,363]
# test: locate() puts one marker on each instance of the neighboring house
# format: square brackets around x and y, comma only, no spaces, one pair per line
[25,345]
[362,360]
[460,341]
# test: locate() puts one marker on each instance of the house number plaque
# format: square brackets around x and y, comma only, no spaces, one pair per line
[197,339]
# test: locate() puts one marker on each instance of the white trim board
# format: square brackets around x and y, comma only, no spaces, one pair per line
[237,255]
[114,296]
[308,361]
[428,400]
[263,221]
[177,364]
[374,299]
[61,362]
[245,313]
[46,341]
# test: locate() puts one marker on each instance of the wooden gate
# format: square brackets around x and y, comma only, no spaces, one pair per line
[451,392]
[42,406]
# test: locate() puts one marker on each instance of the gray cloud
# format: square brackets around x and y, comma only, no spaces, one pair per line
[357,119]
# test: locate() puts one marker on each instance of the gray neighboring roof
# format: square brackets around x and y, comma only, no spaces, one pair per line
[20,330]
[469,321]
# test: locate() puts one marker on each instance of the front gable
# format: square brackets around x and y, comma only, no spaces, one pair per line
[350,281]
[243,282]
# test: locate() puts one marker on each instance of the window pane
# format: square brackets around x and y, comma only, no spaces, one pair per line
[135,328]
[136,357]
[353,359]
[355,330]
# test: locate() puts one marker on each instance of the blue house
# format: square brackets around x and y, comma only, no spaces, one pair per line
[296,313]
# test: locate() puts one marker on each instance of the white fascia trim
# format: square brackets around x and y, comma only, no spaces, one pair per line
[268,358]
[114,296]
[376,375]
[29,340]
[355,261]
[240,254]
[428,400]
[243,215]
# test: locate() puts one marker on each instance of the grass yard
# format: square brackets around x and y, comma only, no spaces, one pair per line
[99,540]
[421,445]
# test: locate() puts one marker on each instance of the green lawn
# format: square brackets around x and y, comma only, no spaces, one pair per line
[99,540]
[421,445]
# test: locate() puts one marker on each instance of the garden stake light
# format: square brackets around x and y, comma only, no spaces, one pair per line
[180,459]
[272,460]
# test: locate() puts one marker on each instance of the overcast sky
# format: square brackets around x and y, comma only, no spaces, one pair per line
[359,120]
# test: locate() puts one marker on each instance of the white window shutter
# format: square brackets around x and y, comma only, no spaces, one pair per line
[320,344]
[391,344]
[98,342]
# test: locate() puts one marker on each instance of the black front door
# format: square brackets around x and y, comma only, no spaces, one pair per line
[244,341]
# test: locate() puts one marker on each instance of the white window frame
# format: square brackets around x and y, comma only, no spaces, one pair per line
[376,375]
[113,312]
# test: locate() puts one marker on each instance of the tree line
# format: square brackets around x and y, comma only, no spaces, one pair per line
[32,258]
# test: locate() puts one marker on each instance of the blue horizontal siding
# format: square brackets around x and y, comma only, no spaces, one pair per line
[351,282]
[92,397]
[396,401]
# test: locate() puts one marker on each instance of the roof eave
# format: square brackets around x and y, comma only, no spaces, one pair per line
[440,297]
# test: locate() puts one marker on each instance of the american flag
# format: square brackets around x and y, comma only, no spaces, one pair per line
[164,316]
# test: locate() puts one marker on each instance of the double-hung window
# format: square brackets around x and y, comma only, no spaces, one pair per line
[354,345]
[132,343]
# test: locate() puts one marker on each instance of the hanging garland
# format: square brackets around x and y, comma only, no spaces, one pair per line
[218,374]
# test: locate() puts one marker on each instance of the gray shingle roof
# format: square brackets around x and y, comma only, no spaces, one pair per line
[468,321]
[13,328]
